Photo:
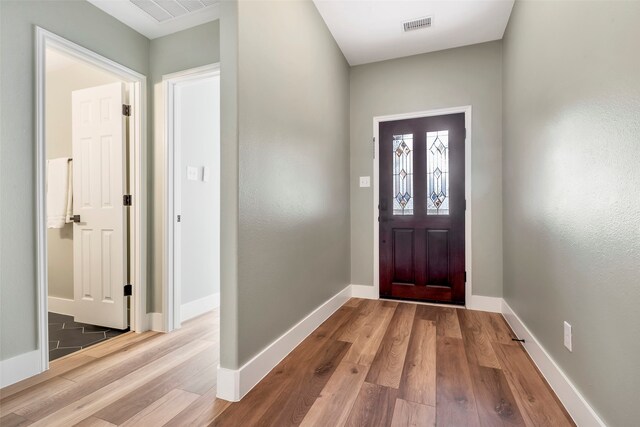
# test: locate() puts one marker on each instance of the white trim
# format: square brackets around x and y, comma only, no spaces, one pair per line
[61,305]
[19,367]
[233,384]
[155,322]
[467,188]
[481,303]
[363,291]
[192,309]
[138,178]
[171,240]
[577,406]
[228,384]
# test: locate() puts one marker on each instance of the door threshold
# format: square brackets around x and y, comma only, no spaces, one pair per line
[109,341]
[436,304]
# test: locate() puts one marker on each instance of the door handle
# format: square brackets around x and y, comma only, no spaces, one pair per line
[75,218]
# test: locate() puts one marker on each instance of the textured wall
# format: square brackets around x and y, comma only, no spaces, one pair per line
[571,191]
[229,184]
[293,130]
[82,23]
[469,75]
[180,51]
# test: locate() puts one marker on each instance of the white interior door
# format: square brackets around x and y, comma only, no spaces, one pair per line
[99,238]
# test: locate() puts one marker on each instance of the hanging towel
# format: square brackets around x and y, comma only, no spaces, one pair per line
[58,189]
[69,212]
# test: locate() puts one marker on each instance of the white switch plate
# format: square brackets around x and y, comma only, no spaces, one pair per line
[365,181]
[205,174]
[192,173]
[567,336]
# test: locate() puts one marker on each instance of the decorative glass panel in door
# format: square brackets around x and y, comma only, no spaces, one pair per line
[438,173]
[403,174]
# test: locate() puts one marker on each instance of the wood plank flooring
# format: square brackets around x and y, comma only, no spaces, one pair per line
[372,363]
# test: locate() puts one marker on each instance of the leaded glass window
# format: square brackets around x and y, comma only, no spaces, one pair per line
[438,173]
[403,174]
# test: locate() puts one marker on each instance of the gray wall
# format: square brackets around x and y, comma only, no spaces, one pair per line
[61,83]
[180,51]
[229,53]
[82,23]
[293,130]
[469,75]
[571,191]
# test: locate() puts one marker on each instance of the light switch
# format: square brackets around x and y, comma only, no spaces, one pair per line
[365,181]
[192,173]
[205,174]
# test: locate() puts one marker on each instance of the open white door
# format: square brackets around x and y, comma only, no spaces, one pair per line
[99,234]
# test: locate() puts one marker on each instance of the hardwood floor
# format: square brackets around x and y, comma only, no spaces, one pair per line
[373,363]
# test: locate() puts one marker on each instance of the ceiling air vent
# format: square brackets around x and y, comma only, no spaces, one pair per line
[417,24]
[164,10]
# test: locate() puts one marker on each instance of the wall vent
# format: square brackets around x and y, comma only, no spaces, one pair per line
[417,24]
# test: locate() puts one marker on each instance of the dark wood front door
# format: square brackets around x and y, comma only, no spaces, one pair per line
[422,206]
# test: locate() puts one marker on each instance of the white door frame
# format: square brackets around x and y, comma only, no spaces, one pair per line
[137,179]
[467,190]
[172,285]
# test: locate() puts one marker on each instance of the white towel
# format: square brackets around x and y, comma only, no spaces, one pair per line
[58,192]
[69,212]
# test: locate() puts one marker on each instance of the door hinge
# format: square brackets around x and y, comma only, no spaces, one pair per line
[126,200]
[128,290]
[126,110]
[179,218]
[465,277]
[374,146]
[465,133]
[465,204]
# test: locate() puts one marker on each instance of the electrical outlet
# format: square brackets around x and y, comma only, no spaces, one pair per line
[365,181]
[567,336]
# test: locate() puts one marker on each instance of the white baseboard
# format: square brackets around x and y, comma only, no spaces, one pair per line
[579,409]
[61,305]
[20,367]
[482,303]
[155,322]
[364,291]
[234,384]
[200,306]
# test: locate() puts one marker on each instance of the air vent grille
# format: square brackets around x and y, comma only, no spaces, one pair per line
[164,10]
[417,24]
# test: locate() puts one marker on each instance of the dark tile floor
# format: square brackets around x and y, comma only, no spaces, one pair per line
[67,336]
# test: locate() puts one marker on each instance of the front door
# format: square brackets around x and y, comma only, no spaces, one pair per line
[99,230]
[422,208]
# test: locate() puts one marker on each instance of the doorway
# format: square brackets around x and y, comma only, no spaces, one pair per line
[192,130]
[89,151]
[422,221]
[87,238]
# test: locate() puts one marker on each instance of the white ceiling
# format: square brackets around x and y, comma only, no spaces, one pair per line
[157,18]
[371,30]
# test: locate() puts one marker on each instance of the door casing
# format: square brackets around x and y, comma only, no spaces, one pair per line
[467,185]
[137,84]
